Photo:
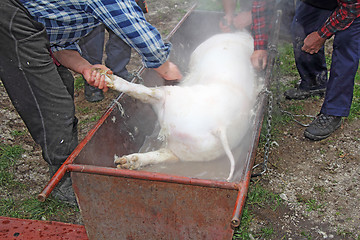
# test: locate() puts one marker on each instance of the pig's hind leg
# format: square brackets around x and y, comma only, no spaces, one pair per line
[137,160]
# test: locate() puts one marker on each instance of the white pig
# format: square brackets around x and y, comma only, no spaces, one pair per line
[208,113]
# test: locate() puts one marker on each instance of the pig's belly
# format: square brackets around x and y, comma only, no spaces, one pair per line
[192,118]
[188,147]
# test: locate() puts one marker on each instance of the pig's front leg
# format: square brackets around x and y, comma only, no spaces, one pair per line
[138,91]
[137,160]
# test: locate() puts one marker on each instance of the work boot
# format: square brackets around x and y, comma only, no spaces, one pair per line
[92,94]
[63,190]
[322,127]
[297,93]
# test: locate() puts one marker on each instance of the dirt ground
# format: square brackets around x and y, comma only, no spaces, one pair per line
[319,182]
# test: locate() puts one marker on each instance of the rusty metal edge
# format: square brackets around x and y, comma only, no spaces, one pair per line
[244,183]
[150,176]
[64,168]
[180,22]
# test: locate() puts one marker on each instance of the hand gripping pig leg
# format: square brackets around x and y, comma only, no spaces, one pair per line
[224,141]
[137,160]
[138,91]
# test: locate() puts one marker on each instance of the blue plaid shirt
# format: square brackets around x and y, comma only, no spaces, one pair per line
[66,21]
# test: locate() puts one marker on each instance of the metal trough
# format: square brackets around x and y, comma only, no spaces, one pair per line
[126,204]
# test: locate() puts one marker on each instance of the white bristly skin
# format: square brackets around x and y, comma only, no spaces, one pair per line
[208,113]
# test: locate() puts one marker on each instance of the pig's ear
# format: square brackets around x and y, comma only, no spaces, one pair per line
[221,133]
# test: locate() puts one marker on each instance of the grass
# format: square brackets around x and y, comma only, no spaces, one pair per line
[31,208]
[8,156]
[213,5]
[79,82]
[355,107]
[25,208]
[210,5]
[287,60]
[306,235]
[257,197]
[18,133]
[313,205]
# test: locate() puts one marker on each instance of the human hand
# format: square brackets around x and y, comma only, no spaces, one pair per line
[169,71]
[259,59]
[313,43]
[94,77]
[242,20]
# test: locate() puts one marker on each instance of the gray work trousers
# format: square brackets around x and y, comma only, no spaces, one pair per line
[41,92]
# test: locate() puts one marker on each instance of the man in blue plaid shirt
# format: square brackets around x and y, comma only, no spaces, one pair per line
[41,91]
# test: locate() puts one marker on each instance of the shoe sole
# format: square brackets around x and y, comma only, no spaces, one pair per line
[318,138]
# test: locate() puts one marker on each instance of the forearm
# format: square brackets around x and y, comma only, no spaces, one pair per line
[229,7]
[72,60]
[341,18]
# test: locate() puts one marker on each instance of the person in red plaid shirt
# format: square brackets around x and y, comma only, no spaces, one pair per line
[255,15]
[314,22]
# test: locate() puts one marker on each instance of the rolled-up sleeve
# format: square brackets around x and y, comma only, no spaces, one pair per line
[341,18]
[126,19]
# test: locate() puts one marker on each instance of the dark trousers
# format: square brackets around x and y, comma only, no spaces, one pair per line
[41,92]
[313,69]
[118,53]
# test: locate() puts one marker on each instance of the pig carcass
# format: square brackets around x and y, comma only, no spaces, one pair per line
[208,113]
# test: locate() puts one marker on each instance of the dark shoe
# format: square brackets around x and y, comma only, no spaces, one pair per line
[92,94]
[297,93]
[322,127]
[63,191]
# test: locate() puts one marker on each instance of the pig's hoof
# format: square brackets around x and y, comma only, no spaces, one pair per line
[127,162]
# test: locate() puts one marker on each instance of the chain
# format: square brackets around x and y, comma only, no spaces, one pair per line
[138,76]
[298,115]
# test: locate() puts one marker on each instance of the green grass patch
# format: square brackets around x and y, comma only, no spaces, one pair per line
[214,5]
[84,110]
[306,235]
[8,156]
[257,197]
[313,205]
[287,60]
[17,133]
[355,107]
[79,82]
[277,120]
[210,5]
[26,208]
[34,209]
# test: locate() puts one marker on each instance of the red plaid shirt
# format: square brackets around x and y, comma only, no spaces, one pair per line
[340,19]
[261,22]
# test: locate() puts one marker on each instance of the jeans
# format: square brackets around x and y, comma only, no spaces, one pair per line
[41,92]
[312,68]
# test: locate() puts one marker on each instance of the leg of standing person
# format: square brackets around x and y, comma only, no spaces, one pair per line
[288,11]
[92,48]
[340,87]
[311,67]
[35,86]
[118,55]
